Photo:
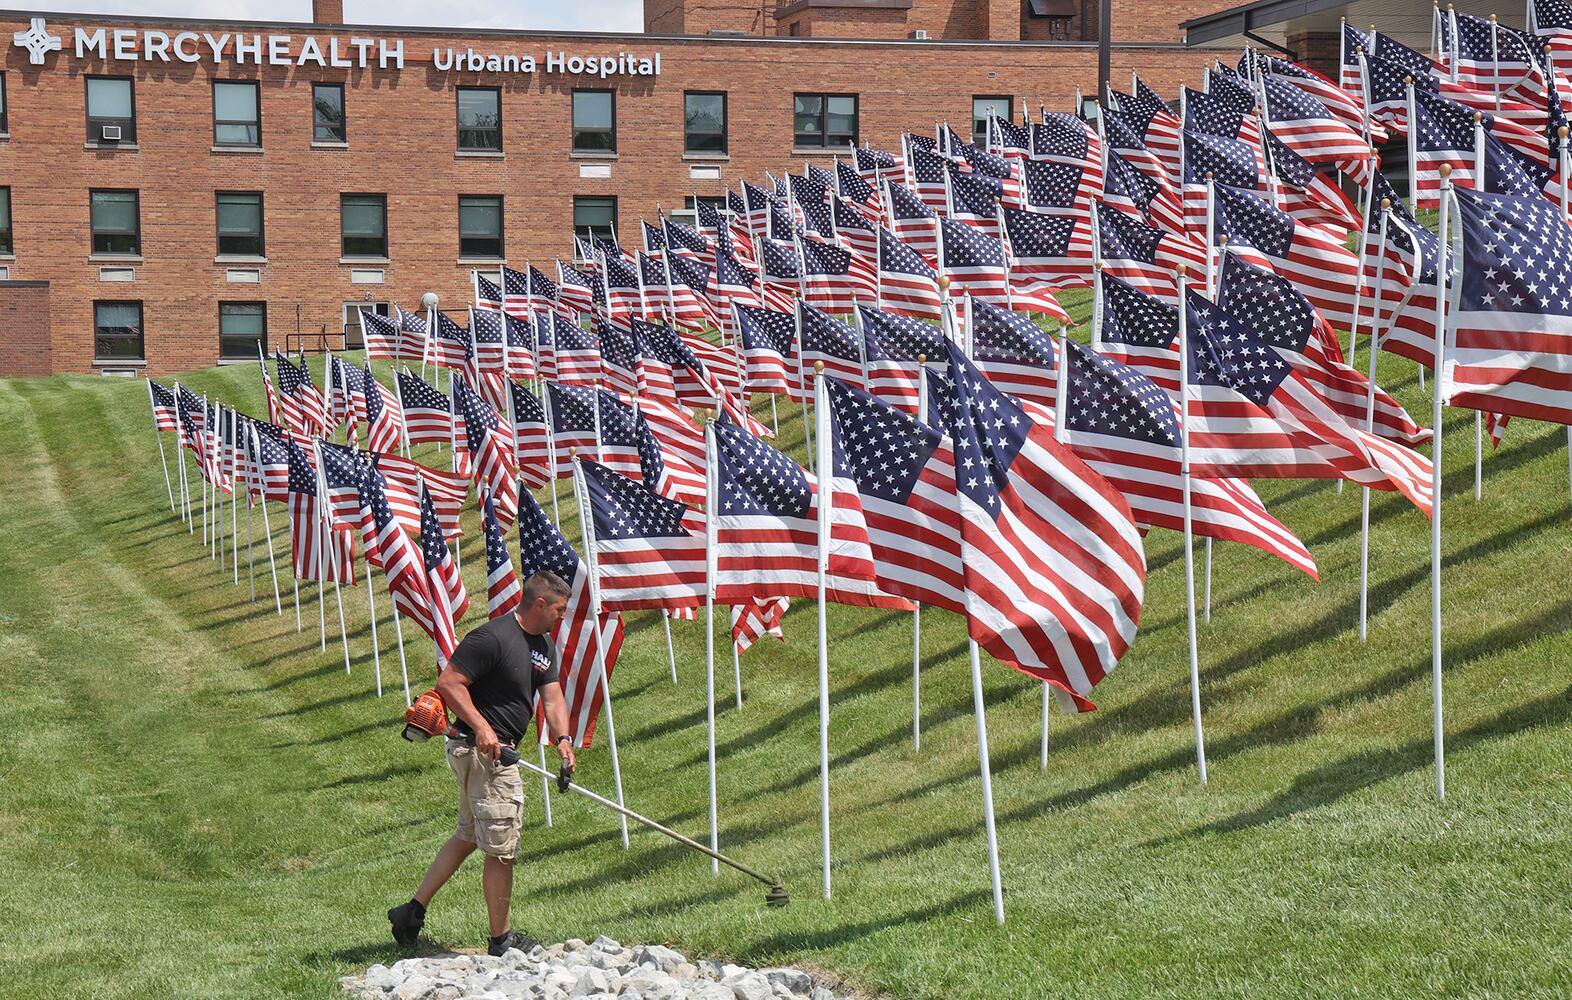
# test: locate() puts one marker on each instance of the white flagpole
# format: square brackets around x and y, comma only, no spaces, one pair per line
[1377,292]
[709,627]
[1437,402]
[551,451]
[922,417]
[671,653]
[234,490]
[581,495]
[825,501]
[163,461]
[180,457]
[987,783]
[1213,260]
[267,528]
[458,543]
[324,551]
[1479,185]
[1189,549]
[545,786]
[736,668]
[251,540]
[376,649]
[202,443]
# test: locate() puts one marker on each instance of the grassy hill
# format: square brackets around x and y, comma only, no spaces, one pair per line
[197,801]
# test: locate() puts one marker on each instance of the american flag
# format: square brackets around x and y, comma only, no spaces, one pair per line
[649,552]
[913,222]
[892,345]
[685,241]
[677,434]
[755,208]
[576,351]
[316,551]
[346,397]
[1510,349]
[389,546]
[488,294]
[530,439]
[384,415]
[543,328]
[1347,105]
[1122,134]
[621,284]
[781,264]
[1052,561]
[1310,129]
[1230,162]
[301,407]
[1227,84]
[654,241]
[904,474]
[487,327]
[1126,428]
[1271,307]
[874,165]
[489,449]
[575,289]
[1405,315]
[541,546]
[1353,44]
[809,198]
[404,478]
[826,340]
[1552,21]
[769,340]
[854,229]
[570,413]
[1218,115]
[414,331]
[1016,354]
[619,354]
[515,296]
[736,282]
[766,525]
[1252,415]
[503,592]
[386,339]
[851,185]
[1127,188]
[710,223]
[520,334]
[626,435]
[1443,134]
[448,601]
[1067,140]
[341,469]
[721,365]
[1145,256]
[1052,249]
[269,461]
[162,400]
[1320,266]
[654,374]
[689,290]
[1056,188]
[907,283]
[974,198]
[543,292]
[974,262]
[758,618]
[618,447]
[428,413]
[828,281]
[925,170]
[450,347]
[1310,193]
[1157,127]
[1007,138]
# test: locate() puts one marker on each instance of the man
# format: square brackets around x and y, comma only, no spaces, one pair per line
[491,684]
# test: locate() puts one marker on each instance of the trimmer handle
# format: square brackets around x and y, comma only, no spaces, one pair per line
[564,777]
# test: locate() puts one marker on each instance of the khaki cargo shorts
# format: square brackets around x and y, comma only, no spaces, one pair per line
[490,799]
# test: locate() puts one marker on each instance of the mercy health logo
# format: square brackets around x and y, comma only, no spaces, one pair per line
[37,41]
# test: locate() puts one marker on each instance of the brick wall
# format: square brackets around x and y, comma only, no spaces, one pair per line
[25,344]
[401,132]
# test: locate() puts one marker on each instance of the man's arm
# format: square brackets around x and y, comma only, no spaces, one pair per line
[453,686]
[556,707]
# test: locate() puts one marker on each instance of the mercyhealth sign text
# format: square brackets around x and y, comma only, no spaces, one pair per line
[240,49]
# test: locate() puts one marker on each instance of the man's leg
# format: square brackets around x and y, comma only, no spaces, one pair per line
[498,882]
[447,861]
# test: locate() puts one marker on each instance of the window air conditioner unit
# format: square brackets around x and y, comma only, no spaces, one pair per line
[109,133]
[920,34]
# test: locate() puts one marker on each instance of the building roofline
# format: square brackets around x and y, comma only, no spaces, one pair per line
[1241,20]
[312,27]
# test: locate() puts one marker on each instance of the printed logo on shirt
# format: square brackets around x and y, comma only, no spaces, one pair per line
[540,661]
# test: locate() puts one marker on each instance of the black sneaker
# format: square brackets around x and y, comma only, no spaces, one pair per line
[407,920]
[512,939]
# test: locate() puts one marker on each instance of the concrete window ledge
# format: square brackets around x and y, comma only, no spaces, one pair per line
[707,157]
[7,257]
[254,150]
[582,155]
[479,154]
[114,258]
[329,145]
[476,261]
[225,259]
[112,147]
[365,261]
[103,363]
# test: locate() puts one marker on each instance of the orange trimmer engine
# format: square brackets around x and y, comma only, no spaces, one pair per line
[426,718]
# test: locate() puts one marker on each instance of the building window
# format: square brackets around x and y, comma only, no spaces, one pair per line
[703,122]
[5,121]
[594,217]
[594,121]
[354,326]
[363,224]
[117,331]
[116,222]
[825,121]
[242,330]
[479,118]
[327,113]
[982,108]
[237,114]
[111,109]
[480,225]
[6,246]
[240,223]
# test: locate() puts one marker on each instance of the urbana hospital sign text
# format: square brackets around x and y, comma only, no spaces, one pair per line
[220,48]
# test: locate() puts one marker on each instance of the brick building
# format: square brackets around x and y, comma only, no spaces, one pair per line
[170,191]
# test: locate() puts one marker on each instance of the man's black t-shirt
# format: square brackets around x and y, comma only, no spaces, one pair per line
[506,666]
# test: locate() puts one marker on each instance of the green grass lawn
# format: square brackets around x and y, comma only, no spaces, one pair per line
[196,801]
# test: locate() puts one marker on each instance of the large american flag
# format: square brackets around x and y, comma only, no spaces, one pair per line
[384,415]
[577,352]
[428,413]
[317,551]
[503,592]
[387,340]
[532,447]
[892,346]
[1126,427]
[1127,188]
[625,433]
[487,449]
[575,289]
[449,343]
[1318,264]
[1510,347]
[1310,129]
[827,341]
[541,546]
[766,518]
[649,552]
[446,588]
[1016,354]
[162,400]
[488,294]
[907,283]
[1147,257]
[1053,568]
[1052,249]
[389,546]
[570,417]
[301,407]
[404,478]
[828,279]
[913,222]
[769,346]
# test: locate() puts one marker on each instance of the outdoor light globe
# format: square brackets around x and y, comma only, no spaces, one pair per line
[429,300]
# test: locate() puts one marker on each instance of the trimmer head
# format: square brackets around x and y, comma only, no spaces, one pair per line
[776,895]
